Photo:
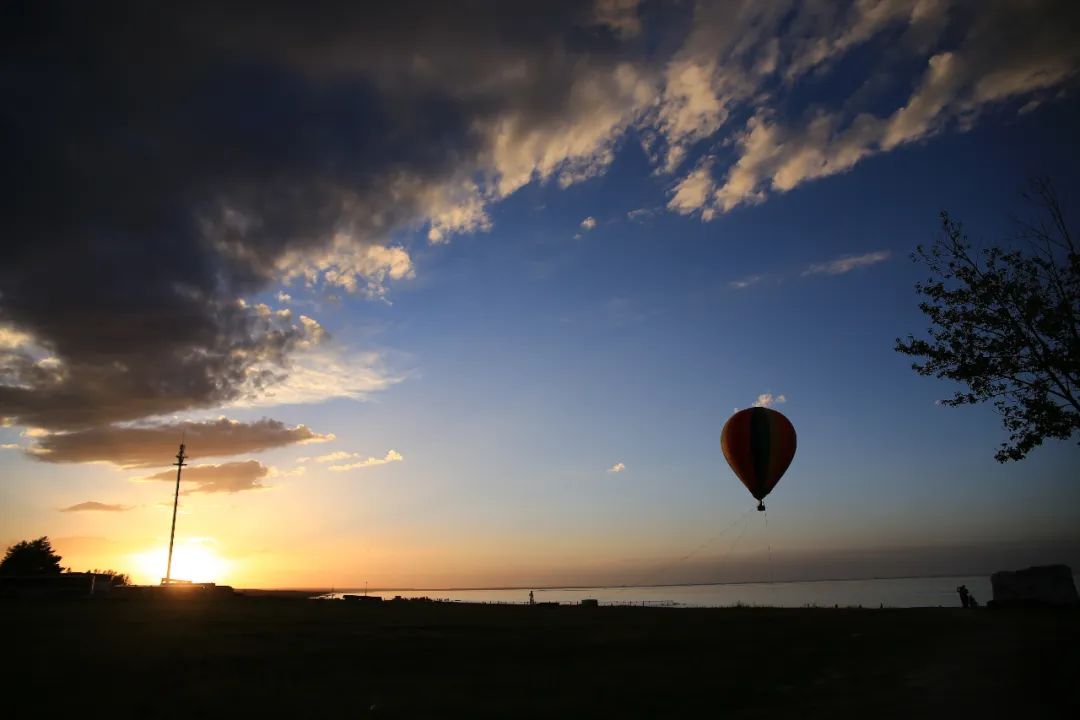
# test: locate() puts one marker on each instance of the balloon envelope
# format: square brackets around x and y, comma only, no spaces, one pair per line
[759,445]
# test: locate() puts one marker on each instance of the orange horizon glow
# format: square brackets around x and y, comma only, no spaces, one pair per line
[194,560]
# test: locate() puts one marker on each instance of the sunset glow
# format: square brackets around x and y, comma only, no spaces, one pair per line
[449,294]
[193,560]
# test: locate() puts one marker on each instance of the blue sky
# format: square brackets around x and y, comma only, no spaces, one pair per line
[488,355]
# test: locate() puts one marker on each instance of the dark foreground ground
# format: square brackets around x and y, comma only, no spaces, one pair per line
[302,658]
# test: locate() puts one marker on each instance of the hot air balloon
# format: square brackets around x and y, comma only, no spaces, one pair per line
[759,445]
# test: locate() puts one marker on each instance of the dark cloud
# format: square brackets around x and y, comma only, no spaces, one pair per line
[162,160]
[228,477]
[94,506]
[156,445]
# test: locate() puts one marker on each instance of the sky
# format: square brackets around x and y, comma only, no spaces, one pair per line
[462,296]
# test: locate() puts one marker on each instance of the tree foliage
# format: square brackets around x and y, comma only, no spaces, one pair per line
[31,557]
[1004,322]
[114,577]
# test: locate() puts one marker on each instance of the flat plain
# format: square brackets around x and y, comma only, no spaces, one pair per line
[281,656]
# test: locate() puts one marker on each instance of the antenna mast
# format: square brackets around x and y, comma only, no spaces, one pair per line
[180,457]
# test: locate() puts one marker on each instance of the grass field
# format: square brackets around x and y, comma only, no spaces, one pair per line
[303,658]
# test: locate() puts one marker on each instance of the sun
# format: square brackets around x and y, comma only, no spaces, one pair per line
[194,560]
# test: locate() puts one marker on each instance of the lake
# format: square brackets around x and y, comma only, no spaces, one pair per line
[894,592]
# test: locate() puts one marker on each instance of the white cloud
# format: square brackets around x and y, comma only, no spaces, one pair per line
[391,456]
[10,446]
[284,297]
[319,373]
[354,266]
[1006,51]
[847,263]
[588,223]
[456,208]
[617,468]
[570,146]
[691,109]
[693,193]
[743,283]
[768,400]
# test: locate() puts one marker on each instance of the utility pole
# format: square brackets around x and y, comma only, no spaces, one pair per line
[180,457]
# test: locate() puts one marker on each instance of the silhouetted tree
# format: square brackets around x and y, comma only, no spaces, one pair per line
[1004,322]
[31,557]
[115,578]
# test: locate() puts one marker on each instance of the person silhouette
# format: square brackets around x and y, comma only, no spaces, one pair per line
[531,601]
[972,602]
[965,596]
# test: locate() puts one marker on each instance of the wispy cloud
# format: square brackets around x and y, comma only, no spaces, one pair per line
[588,223]
[617,468]
[328,457]
[768,400]
[847,263]
[642,214]
[391,456]
[745,282]
[94,506]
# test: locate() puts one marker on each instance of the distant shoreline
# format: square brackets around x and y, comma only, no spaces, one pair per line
[606,587]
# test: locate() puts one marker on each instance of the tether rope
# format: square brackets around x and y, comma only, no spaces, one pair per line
[667,567]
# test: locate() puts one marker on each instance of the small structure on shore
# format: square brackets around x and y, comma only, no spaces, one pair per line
[363,599]
[590,602]
[1041,586]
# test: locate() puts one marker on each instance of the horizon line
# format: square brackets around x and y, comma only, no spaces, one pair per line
[617,587]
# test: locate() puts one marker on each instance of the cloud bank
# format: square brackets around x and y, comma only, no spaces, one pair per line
[156,445]
[249,152]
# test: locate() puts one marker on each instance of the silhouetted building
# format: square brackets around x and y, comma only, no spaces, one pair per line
[1045,585]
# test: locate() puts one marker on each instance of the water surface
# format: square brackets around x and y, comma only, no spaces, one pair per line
[896,592]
